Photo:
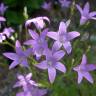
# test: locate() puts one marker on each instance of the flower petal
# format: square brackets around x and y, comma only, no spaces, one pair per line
[24,63]
[52,35]
[83,20]
[29,42]
[28,76]
[86,8]
[80,77]
[59,54]
[88,77]
[91,67]
[62,28]
[12,56]
[61,67]
[84,60]
[33,34]
[43,65]
[73,35]
[2,19]
[80,9]
[13,64]
[67,47]
[56,46]
[18,48]
[92,14]
[17,84]
[52,74]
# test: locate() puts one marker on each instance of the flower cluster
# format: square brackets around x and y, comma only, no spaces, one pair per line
[7,31]
[47,58]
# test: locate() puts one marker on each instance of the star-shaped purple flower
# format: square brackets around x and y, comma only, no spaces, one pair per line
[85,14]
[65,3]
[62,37]
[3,8]
[38,43]
[20,57]
[47,6]
[38,21]
[30,87]
[52,63]
[83,70]
[24,81]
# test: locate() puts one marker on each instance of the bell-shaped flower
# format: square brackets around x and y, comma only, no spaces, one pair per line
[86,14]
[38,21]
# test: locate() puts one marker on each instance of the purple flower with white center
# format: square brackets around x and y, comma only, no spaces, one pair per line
[38,21]
[30,87]
[52,63]
[85,14]
[20,57]
[2,37]
[2,19]
[47,6]
[3,8]
[65,3]
[39,44]
[8,31]
[62,37]
[25,81]
[83,70]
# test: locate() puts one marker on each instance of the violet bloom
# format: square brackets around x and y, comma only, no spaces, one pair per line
[20,57]
[25,81]
[8,31]
[52,63]
[47,6]
[38,43]
[2,19]
[85,14]
[30,87]
[38,21]
[3,8]
[2,37]
[33,92]
[65,3]
[62,37]
[83,70]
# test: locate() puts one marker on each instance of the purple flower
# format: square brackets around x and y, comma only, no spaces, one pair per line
[30,87]
[8,31]
[2,19]
[65,3]
[85,14]
[25,81]
[52,63]
[62,37]
[20,57]
[47,6]
[38,21]
[2,8]
[2,37]
[34,92]
[39,44]
[83,70]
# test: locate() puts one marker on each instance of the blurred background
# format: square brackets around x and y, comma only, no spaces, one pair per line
[17,13]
